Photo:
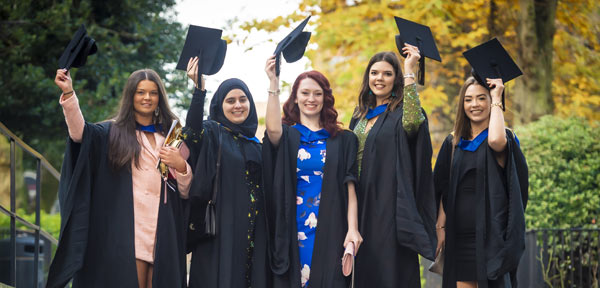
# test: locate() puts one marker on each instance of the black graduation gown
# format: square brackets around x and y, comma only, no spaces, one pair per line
[221,261]
[96,246]
[499,211]
[396,204]
[280,192]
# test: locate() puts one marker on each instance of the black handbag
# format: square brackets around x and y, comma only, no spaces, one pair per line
[196,232]
[210,218]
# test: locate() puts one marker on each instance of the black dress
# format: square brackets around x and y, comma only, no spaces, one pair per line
[396,204]
[280,191]
[237,255]
[465,219]
[484,205]
[96,246]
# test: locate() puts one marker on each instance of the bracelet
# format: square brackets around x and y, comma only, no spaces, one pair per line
[409,75]
[68,93]
[274,92]
[439,227]
[498,104]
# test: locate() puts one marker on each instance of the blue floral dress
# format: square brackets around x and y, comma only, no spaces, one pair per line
[309,173]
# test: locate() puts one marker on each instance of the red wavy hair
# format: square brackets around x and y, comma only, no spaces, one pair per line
[328,117]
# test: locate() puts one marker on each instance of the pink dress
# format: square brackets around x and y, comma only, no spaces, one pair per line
[146,180]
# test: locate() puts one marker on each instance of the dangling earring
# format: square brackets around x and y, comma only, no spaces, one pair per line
[393,94]
[156,111]
[370,92]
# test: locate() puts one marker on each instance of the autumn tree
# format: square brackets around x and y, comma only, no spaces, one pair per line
[348,34]
[576,61]
[535,37]
[554,42]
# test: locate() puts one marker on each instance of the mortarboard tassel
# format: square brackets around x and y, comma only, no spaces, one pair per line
[497,69]
[421,71]
[421,77]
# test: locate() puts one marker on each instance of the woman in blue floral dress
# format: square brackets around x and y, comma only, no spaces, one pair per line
[311,159]
[312,162]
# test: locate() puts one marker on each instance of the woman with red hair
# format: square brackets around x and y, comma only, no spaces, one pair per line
[312,162]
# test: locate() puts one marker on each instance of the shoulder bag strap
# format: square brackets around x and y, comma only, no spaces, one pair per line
[218,172]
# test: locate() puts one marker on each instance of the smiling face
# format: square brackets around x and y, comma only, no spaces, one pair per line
[477,103]
[236,106]
[381,79]
[309,98]
[145,99]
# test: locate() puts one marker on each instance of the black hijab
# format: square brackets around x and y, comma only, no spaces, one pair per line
[248,127]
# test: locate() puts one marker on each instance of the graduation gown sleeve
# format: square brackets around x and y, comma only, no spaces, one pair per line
[340,168]
[441,172]
[279,176]
[193,131]
[74,199]
[415,196]
[199,136]
[505,235]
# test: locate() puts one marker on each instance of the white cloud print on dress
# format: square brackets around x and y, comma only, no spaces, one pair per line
[302,236]
[299,200]
[311,221]
[303,154]
[305,274]
[305,178]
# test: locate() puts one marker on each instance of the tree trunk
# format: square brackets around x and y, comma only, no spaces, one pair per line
[533,91]
[493,28]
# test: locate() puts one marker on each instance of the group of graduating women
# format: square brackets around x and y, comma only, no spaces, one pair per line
[288,210]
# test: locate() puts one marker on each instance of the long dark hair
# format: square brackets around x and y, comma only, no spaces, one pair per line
[368,100]
[123,144]
[462,123]
[328,116]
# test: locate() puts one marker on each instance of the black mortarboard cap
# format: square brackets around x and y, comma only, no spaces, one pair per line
[79,48]
[490,60]
[417,35]
[207,45]
[292,46]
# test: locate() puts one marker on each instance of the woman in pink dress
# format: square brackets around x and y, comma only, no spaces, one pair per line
[122,221]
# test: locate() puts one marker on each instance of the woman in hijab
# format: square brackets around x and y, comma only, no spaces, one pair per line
[236,256]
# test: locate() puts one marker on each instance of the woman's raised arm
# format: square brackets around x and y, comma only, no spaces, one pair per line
[70,104]
[273,117]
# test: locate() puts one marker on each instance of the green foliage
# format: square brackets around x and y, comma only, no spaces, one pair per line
[130,35]
[49,222]
[563,156]
[421,268]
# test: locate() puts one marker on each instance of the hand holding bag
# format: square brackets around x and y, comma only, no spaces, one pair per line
[437,266]
[348,262]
